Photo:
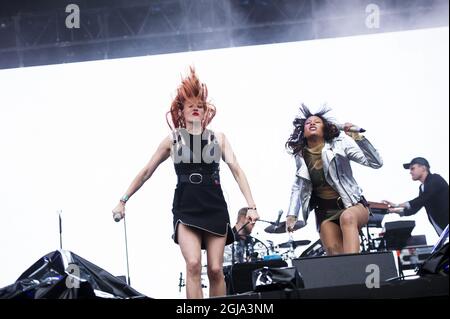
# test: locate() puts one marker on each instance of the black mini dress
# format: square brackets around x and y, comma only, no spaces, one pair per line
[196,204]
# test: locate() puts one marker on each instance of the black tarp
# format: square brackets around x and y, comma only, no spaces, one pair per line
[62,274]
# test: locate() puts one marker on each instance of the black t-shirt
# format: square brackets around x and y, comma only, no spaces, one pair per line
[434,198]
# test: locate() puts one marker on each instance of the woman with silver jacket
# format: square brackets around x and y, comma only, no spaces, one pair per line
[324,181]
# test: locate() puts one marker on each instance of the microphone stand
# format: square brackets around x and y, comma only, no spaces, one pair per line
[126,250]
[181,282]
[370,244]
[60,230]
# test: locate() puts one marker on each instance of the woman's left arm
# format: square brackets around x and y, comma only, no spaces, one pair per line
[239,175]
[360,150]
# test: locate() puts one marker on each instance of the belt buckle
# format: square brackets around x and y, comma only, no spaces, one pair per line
[195,174]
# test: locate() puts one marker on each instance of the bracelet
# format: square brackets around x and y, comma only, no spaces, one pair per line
[124,198]
[251,208]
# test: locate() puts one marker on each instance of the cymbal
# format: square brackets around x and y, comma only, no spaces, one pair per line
[281,228]
[294,243]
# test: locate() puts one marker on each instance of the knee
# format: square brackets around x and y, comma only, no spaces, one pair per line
[347,219]
[194,267]
[215,272]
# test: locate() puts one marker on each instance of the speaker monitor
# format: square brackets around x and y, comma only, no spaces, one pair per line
[341,270]
[238,277]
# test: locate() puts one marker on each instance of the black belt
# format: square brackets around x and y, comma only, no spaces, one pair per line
[197,179]
[335,203]
[328,204]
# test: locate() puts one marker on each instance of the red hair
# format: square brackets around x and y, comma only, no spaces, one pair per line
[190,89]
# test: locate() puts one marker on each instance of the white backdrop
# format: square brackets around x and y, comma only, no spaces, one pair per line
[72,137]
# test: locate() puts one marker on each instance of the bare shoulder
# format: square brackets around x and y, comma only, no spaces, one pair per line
[166,143]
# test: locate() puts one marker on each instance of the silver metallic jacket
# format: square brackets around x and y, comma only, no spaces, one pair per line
[336,157]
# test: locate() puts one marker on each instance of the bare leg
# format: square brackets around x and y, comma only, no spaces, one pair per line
[214,248]
[190,240]
[351,220]
[331,237]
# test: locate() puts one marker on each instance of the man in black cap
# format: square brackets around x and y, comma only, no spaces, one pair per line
[433,194]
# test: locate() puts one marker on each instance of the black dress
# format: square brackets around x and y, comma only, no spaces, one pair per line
[202,205]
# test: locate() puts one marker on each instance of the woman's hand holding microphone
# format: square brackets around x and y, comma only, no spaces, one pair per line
[119,211]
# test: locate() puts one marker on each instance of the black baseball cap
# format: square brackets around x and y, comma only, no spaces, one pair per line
[417,160]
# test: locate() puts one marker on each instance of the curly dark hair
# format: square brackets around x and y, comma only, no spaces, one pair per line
[297,140]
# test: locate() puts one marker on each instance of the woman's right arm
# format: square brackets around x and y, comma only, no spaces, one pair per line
[160,155]
[361,151]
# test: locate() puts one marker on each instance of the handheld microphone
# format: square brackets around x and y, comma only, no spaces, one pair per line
[117,217]
[280,212]
[354,128]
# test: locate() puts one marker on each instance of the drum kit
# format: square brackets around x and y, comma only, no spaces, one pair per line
[252,249]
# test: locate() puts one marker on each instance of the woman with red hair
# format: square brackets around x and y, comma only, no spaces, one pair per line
[201,219]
